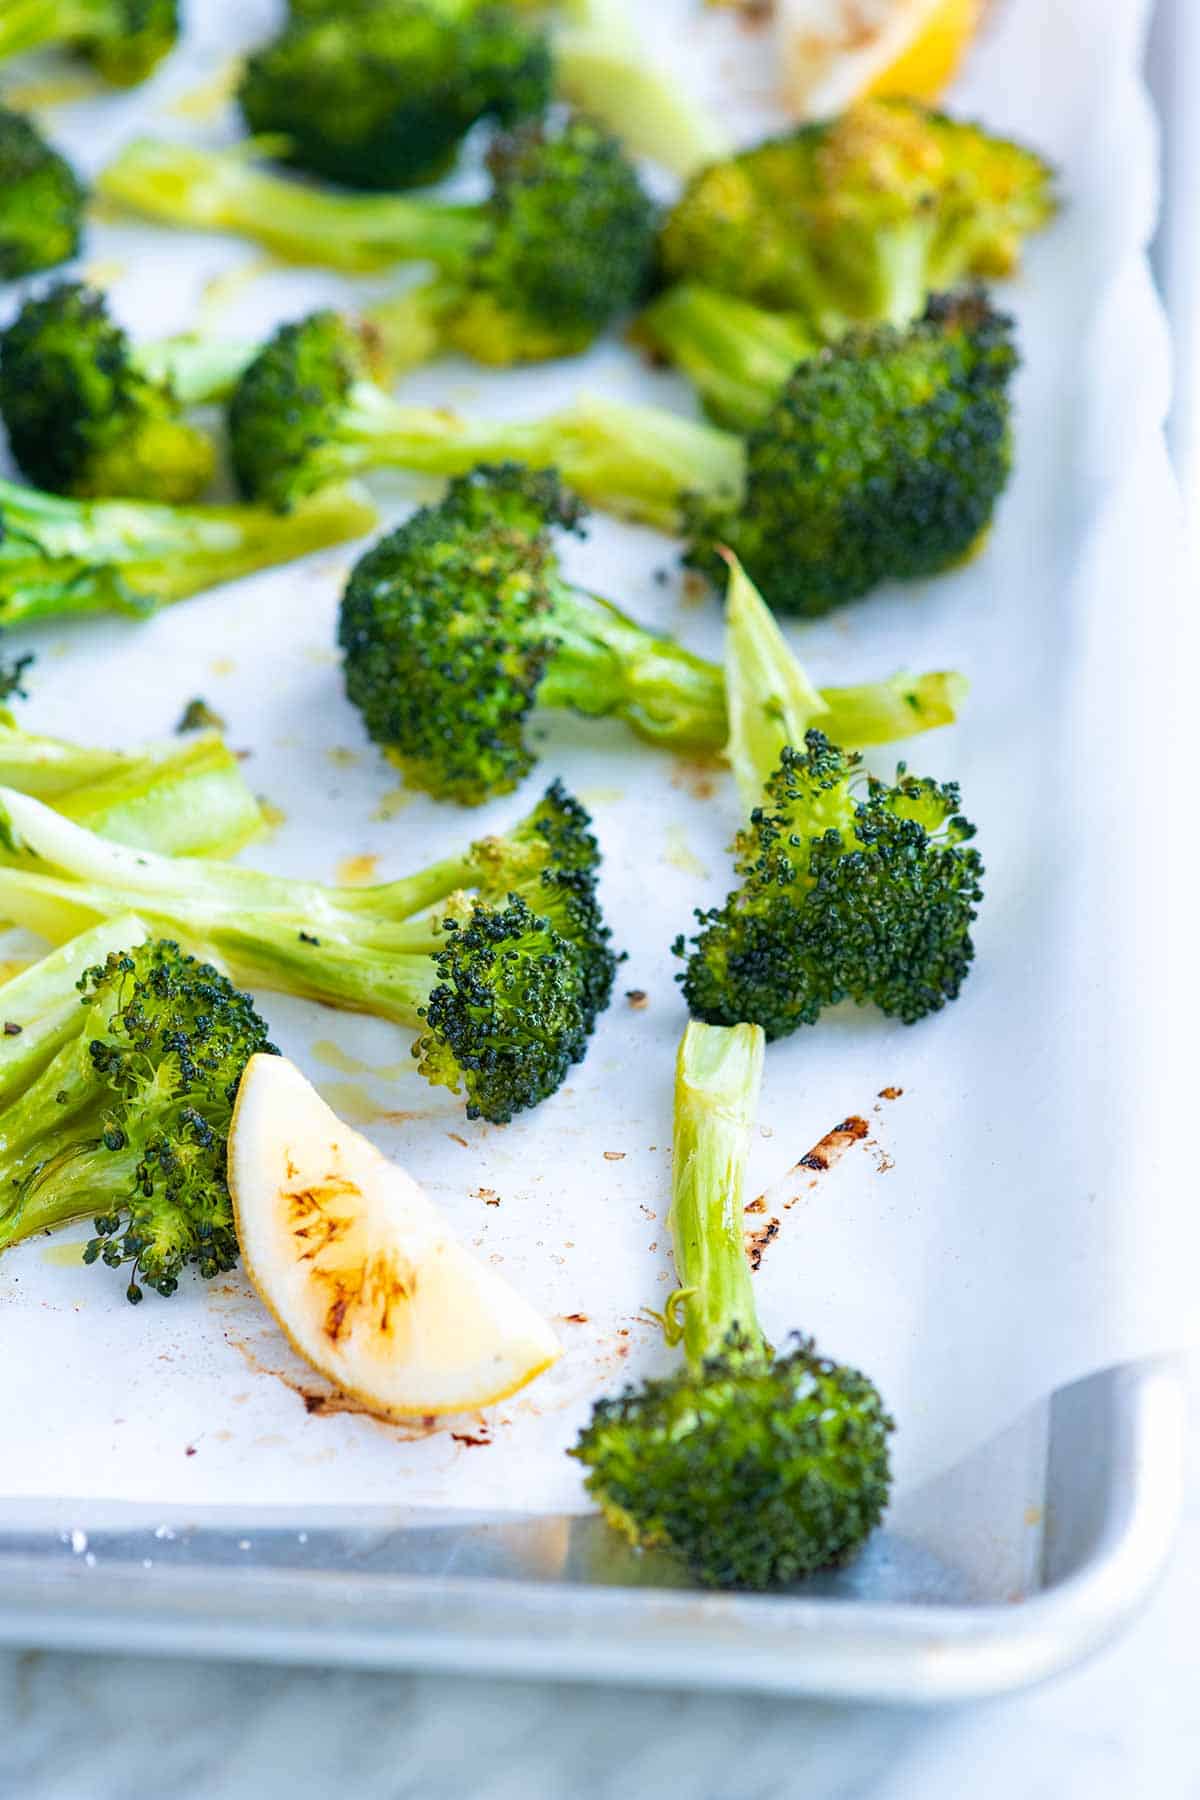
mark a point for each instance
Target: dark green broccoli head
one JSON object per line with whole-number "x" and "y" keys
{"x": 861, "y": 217}
{"x": 882, "y": 459}
{"x": 42, "y": 201}
{"x": 443, "y": 626}
{"x": 290, "y": 414}
{"x": 12, "y": 676}
{"x": 381, "y": 95}
{"x": 81, "y": 417}
{"x": 128, "y": 38}
{"x": 752, "y": 1472}
{"x": 850, "y": 890}
{"x": 568, "y": 246}
{"x": 512, "y": 1010}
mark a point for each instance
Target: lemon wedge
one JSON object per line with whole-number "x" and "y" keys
{"x": 359, "y": 1268}
{"x": 836, "y": 51}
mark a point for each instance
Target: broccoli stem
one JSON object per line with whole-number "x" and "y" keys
{"x": 40, "y": 1007}
{"x": 198, "y": 370}
{"x": 231, "y": 190}
{"x": 737, "y": 356}
{"x": 718, "y": 1073}
{"x": 62, "y": 558}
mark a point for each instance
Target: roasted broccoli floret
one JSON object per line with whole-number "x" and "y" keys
{"x": 739, "y": 357}
{"x": 381, "y": 96}
{"x": 124, "y": 39}
{"x": 460, "y": 622}
{"x": 850, "y": 888}
{"x": 882, "y": 460}
{"x": 13, "y": 670}
{"x": 860, "y": 218}
{"x": 82, "y": 418}
{"x": 749, "y": 1467}
{"x": 187, "y": 799}
{"x": 42, "y": 201}
{"x": 498, "y": 958}
{"x": 127, "y": 1121}
{"x": 561, "y": 247}
{"x": 63, "y": 558}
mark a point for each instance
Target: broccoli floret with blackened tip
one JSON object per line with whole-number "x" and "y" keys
{"x": 128, "y": 1120}
{"x": 82, "y": 418}
{"x": 198, "y": 715}
{"x": 12, "y": 677}
{"x": 850, "y": 888}
{"x": 497, "y": 957}
{"x": 858, "y": 219}
{"x": 42, "y": 201}
{"x": 749, "y": 1467}
{"x": 563, "y": 244}
{"x": 124, "y": 39}
{"x": 381, "y": 96}
{"x": 883, "y": 459}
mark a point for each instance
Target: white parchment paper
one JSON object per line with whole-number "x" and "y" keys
{"x": 1014, "y": 1214}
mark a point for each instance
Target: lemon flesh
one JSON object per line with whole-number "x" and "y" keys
{"x": 836, "y": 51}
{"x": 358, "y": 1266}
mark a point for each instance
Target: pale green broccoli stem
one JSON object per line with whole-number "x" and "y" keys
{"x": 772, "y": 703}
{"x": 31, "y": 24}
{"x": 718, "y": 1073}
{"x": 903, "y": 284}
{"x": 43, "y": 1002}
{"x": 738, "y": 357}
{"x": 197, "y": 370}
{"x": 230, "y": 190}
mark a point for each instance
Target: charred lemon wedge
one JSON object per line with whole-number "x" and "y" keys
{"x": 358, "y": 1266}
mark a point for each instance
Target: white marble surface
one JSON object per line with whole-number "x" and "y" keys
{"x": 115, "y": 1728}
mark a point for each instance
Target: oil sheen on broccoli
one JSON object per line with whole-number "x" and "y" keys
{"x": 127, "y": 1120}
{"x": 562, "y": 245}
{"x": 460, "y": 622}
{"x": 751, "y": 1468}
{"x": 124, "y": 39}
{"x": 42, "y": 201}
{"x": 381, "y": 95}
{"x": 82, "y": 418}
{"x": 498, "y": 958}
{"x": 850, "y": 888}
{"x": 859, "y": 219}
{"x": 64, "y": 558}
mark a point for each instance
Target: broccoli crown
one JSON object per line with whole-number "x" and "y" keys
{"x": 850, "y": 889}
{"x": 81, "y": 418}
{"x": 129, "y": 1119}
{"x": 290, "y": 409}
{"x": 381, "y": 95}
{"x": 882, "y": 459}
{"x": 511, "y": 1012}
{"x": 859, "y": 217}
{"x": 128, "y": 38}
{"x": 443, "y": 626}
{"x": 42, "y": 201}
{"x": 569, "y": 245}
{"x": 752, "y": 1472}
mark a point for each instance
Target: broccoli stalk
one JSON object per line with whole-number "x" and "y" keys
{"x": 563, "y": 244}
{"x": 859, "y": 219}
{"x": 63, "y": 558}
{"x": 127, "y": 1119}
{"x": 187, "y": 799}
{"x": 738, "y": 356}
{"x": 459, "y": 623}
{"x": 751, "y": 1469}
{"x": 42, "y": 201}
{"x": 124, "y": 39}
{"x": 498, "y": 958}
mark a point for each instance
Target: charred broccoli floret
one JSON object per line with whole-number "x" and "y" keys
{"x": 460, "y": 622}
{"x": 63, "y": 558}
{"x": 882, "y": 460}
{"x": 381, "y": 96}
{"x": 42, "y": 201}
{"x": 860, "y": 218}
{"x": 127, "y": 1121}
{"x": 562, "y": 245}
{"x": 749, "y": 1467}
{"x": 498, "y": 958}
{"x": 850, "y": 889}
{"x": 124, "y": 39}
{"x": 82, "y": 418}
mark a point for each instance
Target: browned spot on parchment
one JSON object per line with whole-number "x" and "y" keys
{"x": 757, "y": 1241}
{"x": 322, "y": 1401}
{"x": 696, "y": 776}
